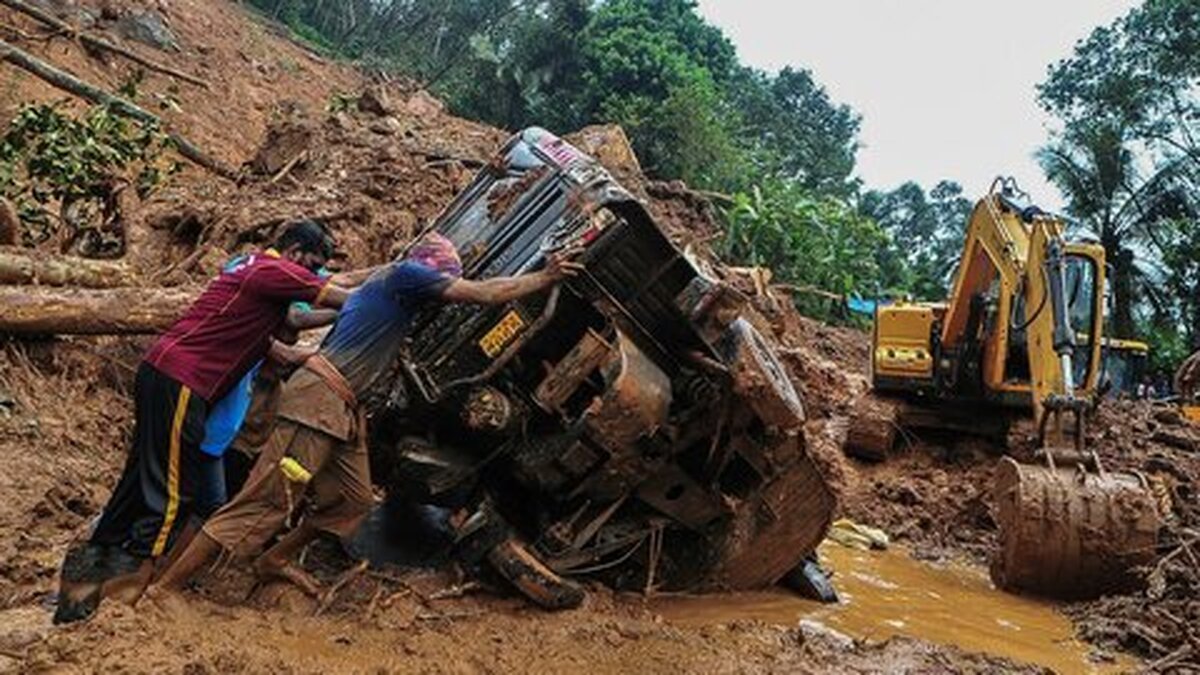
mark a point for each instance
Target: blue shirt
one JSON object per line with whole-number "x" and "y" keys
{"x": 225, "y": 418}
{"x": 371, "y": 327}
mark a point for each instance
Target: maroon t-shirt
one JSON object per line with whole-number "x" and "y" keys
{"x": 228, "y": 329}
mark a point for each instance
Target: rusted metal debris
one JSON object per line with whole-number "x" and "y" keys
{"x": 632, "y": 426}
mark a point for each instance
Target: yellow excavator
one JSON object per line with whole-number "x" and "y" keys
{"x": 1124, "y": 366}
{"x": 1022, "y": 330}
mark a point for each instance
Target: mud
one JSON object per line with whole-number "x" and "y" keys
{"x": 379, "y": 176}
{"x": 885, "y": 594}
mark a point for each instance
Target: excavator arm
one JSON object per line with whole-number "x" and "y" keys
{"x": 1040, "y": 292}
{"x": 1067, "y": 528}
{"x": 1063, "y": 287}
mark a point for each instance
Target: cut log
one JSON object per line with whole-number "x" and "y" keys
{"x": 872, "y": 430}
{"x": 70, "y": 311}
{"x": 96, "y": 42}
{"x": 28, "y": 267}
{"x": 90, "y": 92}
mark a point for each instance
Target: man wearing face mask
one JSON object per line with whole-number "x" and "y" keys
{"x": 191, "y": 366}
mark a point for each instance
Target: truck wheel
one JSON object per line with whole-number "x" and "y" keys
{"x": 535, "y": 581}
{"x": 759, "y": 377}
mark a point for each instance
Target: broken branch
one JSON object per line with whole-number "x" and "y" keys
{"x": 69, "y": 83}
{"x": 97, "y": 42}
{"x": 26, "y": 268}
{"x": 287, "y": 168}
{"x": 456, "y": 591}
{"x": 22, "y": 35}
{"x": 344, "y": 579}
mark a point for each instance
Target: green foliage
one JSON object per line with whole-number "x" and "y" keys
{"x": 1128, "y": 102}
{"x": 808, "y": 240}
{"x": 526, "y": 71}
{"x": 1142, "y": 71}
{"x": 673, "y": 82}
{"x": 341, "y": 102}
{"x": 926, "y": 235}
{"x": 1168, "y": 347}
{"x": 1176, "y": 301}
{"x": 48, "y": 157}
{"x": 1127, "y": 161}
{"x": 683, "y": 136}
{"x": 653, "y": 66}
{"x": 795, "y": 131}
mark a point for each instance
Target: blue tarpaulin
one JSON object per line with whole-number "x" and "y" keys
{"x": 863, "y": 305}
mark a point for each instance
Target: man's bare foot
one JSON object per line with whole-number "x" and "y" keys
{"x": 127, "y": 588}
{"x": 161, "y": 600}
{"x": 283, "y": 570}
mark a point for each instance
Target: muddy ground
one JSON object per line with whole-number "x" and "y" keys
{"x": 379, "y": 174}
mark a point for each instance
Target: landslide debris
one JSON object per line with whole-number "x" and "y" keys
{"x": 378, "y": 170}
{"x": 1161, "y": 623}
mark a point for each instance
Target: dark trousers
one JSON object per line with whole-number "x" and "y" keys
{"x": 161, "y": 483}
{"x": 211, "y": 489}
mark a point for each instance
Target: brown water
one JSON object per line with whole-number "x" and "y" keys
{"x": 888, "y": 593}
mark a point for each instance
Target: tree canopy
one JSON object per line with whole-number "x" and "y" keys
{"x": 1126, "y": 153}
{"x": 1127, "y": 158}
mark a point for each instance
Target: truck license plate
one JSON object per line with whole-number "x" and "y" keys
{"x": 501, "y": 334}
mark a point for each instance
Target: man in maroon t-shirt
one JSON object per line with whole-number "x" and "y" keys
{"x": 191, "y": 366}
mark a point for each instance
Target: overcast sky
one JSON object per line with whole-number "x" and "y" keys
{"x": 945, "y": 87}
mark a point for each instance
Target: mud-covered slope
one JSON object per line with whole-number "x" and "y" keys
{"x": 253, "y": 74}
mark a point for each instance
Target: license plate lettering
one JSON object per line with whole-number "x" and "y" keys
{"x": 501, "y": 334}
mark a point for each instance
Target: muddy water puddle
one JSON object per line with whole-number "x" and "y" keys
{"x": 888, "y": 593}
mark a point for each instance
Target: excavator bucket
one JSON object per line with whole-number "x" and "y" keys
{"x": 1069, "y": 532}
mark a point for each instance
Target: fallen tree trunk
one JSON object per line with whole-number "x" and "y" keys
{"x": 22, "y": 267}
{"x": 70, "y": 311}
{"x": 97, "y": 42}
{"x": 69, "y": 83}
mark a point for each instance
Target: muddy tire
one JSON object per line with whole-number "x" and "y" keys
{"x": 532, "y": 578}
{"x": 760, "y": 379}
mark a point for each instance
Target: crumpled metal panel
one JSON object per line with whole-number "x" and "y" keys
{"x": 780, "y": 523}
{"x": 635, "y": 403}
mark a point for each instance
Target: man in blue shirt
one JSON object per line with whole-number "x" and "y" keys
{"x": 320, "y": 435}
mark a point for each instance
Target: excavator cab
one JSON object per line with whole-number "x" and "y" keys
{"x": 1083, "y": 282}
{"x": 1124, "y": 365}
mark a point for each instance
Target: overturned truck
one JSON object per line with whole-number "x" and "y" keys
{"x": 630, "y": 425}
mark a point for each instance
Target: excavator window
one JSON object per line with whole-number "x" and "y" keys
{"x": 1080, "y": 291}
{"x": 1081, "y": 309}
